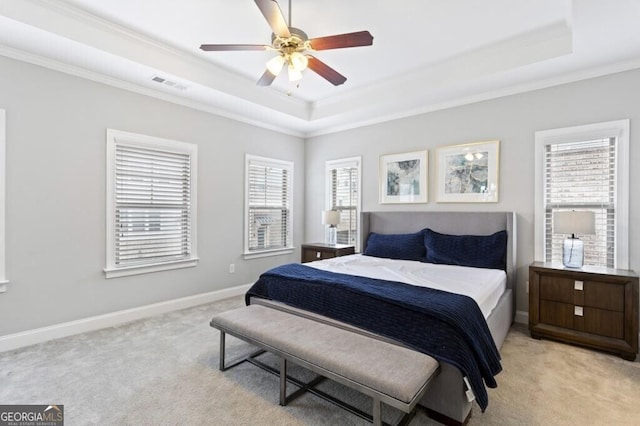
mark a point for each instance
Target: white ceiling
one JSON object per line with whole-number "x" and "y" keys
{"x": 426, "y": 54}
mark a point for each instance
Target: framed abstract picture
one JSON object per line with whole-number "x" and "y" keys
{"x": 403, "y": 177}
{"x": 468, "y": 173}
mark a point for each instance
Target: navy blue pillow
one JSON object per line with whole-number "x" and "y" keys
{"x": 479, "y": 251}
{"x": 396, "y": 246}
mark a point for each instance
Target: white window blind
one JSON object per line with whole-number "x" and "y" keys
{"x": 269, "y": 185}
{"x": 584, "y": 168}
{"x": 152, "y": 209}
{"x": 344, "y": 196}
{"x": 582, "y": 176}
{"x": 153, "y": 203}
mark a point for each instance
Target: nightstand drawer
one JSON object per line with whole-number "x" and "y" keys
{"x": 583, "y": 318}
{"x": 310, "y": 255}
{"x": 557, "y": 289}
{"x": 320, "y": 251}
{"x": 604, "y": 295}
{"x": 595, "y": 294}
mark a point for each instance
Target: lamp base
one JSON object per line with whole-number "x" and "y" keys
{"x": 331, "y": 235}
{"x": 573, "y": 253}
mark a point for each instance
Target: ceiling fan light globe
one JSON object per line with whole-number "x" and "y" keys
{"x": 299, "y": 61}
{"x": 294, "y": 74}
{"x": 275, "y": 64}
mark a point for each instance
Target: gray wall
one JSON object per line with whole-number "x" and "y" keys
{"x": 55, "y": 208}
{"x": 513, "y": 120}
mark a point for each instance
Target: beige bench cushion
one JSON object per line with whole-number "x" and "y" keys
{"x": 390, "y": 369}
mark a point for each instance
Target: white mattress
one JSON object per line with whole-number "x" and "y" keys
{"x": 485, "y": 286}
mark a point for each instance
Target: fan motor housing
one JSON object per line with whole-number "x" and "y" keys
{"x": 295, "y": 42}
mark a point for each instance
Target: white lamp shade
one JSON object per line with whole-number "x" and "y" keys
{"x": 275, "y": 64}
{"x": 298, "y": 61}
{"x": 294, "y": 74}
{"x": 330, "y": 217}
{"x": 574, "y": 222}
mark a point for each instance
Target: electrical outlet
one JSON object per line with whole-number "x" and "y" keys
{"x": 232, "y": 268}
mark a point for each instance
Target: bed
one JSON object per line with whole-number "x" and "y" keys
{"x": 448, "y": 398}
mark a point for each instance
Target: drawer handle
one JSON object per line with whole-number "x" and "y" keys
{"x": 578, "y": 285}
{"x": 578, "y": 311}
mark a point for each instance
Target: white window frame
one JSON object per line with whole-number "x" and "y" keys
{"x": 115, "y": 137}
{"x": 268, "y": 162}
{"x": 612, "y": 129}
{"x": 342, "y": 163}
{"x": 3, "y": 172}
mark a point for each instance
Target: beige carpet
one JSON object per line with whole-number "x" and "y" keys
{"x": 163, "y": 371}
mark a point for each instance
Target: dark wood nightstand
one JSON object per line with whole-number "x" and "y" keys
{"x": 319, "y": 251}
{"x": 592, "y": 307}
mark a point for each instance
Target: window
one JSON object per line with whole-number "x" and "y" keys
{"x": 343, "y": 189}
{"x": 268, "y": 201}
{"x": 151, "y": 204}
{"x": 3, "y": 280}
{"x": 584, "y": 168}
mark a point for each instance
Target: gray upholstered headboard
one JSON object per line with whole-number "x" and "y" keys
{"x": 456, "y": 223}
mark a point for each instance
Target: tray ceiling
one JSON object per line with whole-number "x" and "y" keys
{"x": 426, "y": 55}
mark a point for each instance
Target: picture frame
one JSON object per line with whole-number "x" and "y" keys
{"x": 468, "y": 173}
{"x": 403, "y": 177}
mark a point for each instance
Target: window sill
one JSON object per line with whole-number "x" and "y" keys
{"x": 135, "y": 270}
{"x": 267, "y": 253}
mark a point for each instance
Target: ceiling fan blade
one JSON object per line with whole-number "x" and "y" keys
{"x": 325, "y": 71}
{"x": 272, "y": 13}
{"x": 266, "y": 79}
{"x": 339, "y": 41}
{"x": 230, "y": 47}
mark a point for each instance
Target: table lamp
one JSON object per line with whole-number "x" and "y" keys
{"x": 331, "y": 218}
{"x": 573, "y": 222}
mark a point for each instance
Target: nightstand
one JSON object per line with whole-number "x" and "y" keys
{"x": 591, "y": 307}
{"x": 319, "y": 251}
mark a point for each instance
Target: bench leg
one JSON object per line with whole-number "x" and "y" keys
{"x": 236, "y": 361}
{"x": 283, "y": 381}
{"x": 377, "y": 412}
{"x": 222, "y": 349}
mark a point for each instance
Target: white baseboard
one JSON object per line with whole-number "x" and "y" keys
{"x": 522, "y": 317}
{"x": 39, "y": 335}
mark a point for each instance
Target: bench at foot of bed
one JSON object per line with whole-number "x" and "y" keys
{"x": 388, "y": 373}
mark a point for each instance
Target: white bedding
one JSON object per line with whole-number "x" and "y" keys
{"x": 485, "y": 286}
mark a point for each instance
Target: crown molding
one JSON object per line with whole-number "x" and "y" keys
{"x": 576, "y": 76}
{"x": 71, "y": 23}
{"x": 135, "y": 88}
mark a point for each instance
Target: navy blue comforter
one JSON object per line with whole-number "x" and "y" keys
{"x": 447, "y": 326}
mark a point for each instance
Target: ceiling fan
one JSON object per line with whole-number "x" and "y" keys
{"x": 293, "y": 47}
